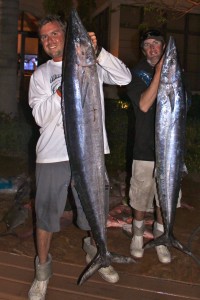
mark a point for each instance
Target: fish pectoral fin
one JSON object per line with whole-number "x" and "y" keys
{"x": 96, "y": 263}
{"x": 172, "y": 99}
{"x": 121, "y": 259}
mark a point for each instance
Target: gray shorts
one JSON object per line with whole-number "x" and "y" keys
{"x": 52, "y": 182}
{"x": 143, "y": 186}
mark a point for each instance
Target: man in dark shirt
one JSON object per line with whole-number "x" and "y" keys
{"x": 143, "y": 92}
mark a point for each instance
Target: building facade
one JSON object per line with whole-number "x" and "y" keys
{"x": 116, "y": 23}
{"x": 117, "y": 26}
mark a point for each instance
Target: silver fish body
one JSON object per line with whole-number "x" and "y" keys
{"x": 170, "y": 127}
{"x": 81, "y": 107}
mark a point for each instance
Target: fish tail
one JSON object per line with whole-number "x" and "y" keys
{"x": 99, "y": 262}
{"x": 186, "y": 250}
{"x": 121, "y": 259}
{"x": 164, "y": 239}
{"x": 167, "y": 239}
{"x": 96, "y": 263}
{"x": 170, "y": 240}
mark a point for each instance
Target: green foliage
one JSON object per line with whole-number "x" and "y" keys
{"x": 160, "y": 13}
{"x": 192, "y": 156}
{"x": 150, "y": 11}
{"x": 194, "y": 110}
{"x": 120, "y": 129}
{"x": 14, "y": 136}
{"x": 63, "y": 7}
{"x": 143, "y": 27}
{"x": 117, "y": 124}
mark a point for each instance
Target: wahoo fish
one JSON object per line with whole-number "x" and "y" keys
{"x": 82, "y": 117}
{"x": 170, "y": 128}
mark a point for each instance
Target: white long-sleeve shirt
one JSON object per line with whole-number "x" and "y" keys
{"x": 46, "y": 103}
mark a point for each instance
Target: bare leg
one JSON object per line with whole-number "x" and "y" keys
{"x": 139, "y": 215}
{"x": 159, "y": 215}
{"x": 43, "y": 266}
{"x": 43, "y": 244}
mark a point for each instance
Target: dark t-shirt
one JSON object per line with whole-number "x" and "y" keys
{"x": 144, "y": 140}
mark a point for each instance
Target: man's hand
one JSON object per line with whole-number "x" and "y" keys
{"x": 158, "y": 66}
{"x": 93, "y": 40}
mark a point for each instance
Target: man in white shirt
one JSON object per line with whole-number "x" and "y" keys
{"x": 53, "y": 174}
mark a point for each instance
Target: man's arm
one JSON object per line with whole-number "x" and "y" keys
{"x": 148, "y": 97}
{"x": 113, "y": 71}
{"x": 44, "y": 105}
